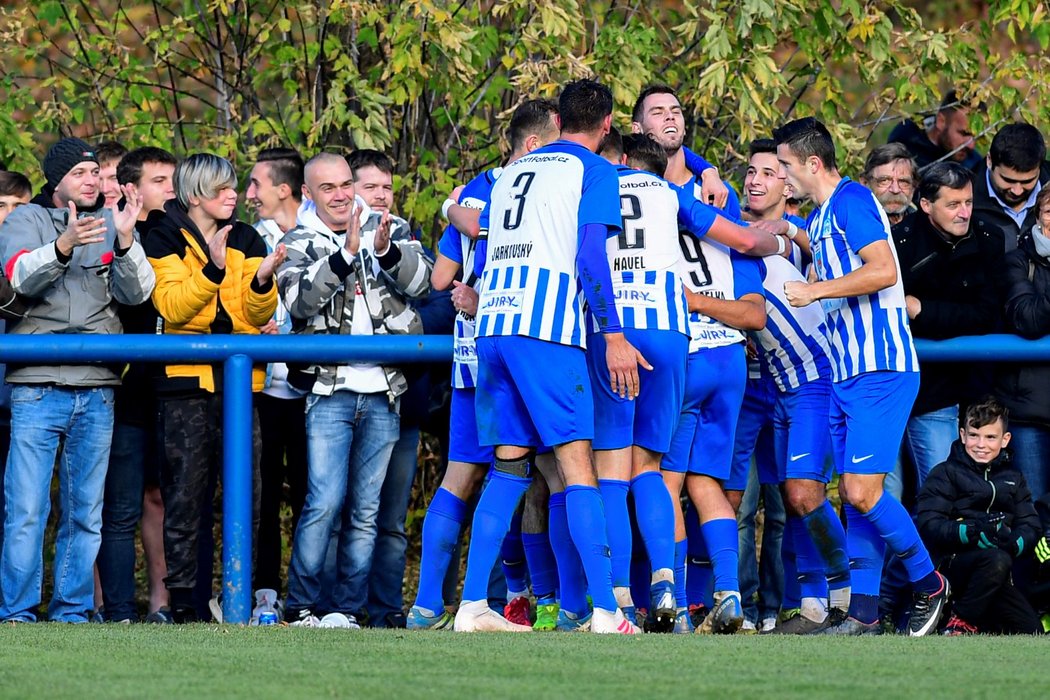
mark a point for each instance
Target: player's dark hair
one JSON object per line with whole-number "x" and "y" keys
{"x": 530, "y": 117}
{"x": 286, "y": 168}
{"x": 808, "y": 137}
{"x": 612, "y": 145}
{"x": 583, "y": 105}
{"x": 14, "y": 184}
{"x": 109, "y": 151}
{"x": 1019, "y": 147}
{"x": 644, "y": 153}
{"x": 659, "y": 89}
{"x": 985, "y": 412}
{"x": 761, "y": 146}
{"x": 369, "y": 157}
{"x": 886, "y": 154}
{"x": 943, "y": 174}
{"x": 129, "y": 169}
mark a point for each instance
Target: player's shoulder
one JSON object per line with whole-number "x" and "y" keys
{"x": 630, "y": 178}
{"x": 852, "y": 195}
{"x": 794, "y": 219}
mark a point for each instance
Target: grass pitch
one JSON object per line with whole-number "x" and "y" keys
{"x": 211, "y": 661}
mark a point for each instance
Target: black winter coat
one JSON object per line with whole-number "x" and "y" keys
{"x": 958, "y": 282}
{"x": 1025, "y": 387}
{"x": 960, "y": 490}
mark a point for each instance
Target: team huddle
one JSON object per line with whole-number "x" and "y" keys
{"x": 611, "y": 303}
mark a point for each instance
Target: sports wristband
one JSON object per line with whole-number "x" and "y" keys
{"x": 444, "y": 207}
{"x": 792, "y": 231}
{"x": 781, "y": 245}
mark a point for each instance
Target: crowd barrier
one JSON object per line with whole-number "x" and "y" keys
{"x": 237, "y": 352}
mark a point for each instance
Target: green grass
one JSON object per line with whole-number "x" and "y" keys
{"x": 206, "y": 661}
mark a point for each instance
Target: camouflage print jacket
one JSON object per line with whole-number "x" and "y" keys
{"x": 314, "y": 283}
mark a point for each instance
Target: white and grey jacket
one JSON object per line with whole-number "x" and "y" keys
{"x": 315, "y": 279}
{"x": 75, "y": 296}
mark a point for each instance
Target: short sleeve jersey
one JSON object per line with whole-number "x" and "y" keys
{"x": 461, "y": 248}
{"x": 645, "y": 257}
{"x": 530, "y": 284}
{"x": 793, "y": 345}
{"x": 867, "y": 333}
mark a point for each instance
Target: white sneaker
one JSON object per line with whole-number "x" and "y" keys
{"x": 215, "y": 606}
{"x": 306, "y": 619}
{"x": 605, "y": 622}
{"x": 477, "y": 616}
{"x": 338, "y": 620}
{"x": 768, "y": 625}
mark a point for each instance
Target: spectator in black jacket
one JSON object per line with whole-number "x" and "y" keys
{"x": 1005, "y": 190}
{"x": 1025, "y": 387}
{"x": 943, "y": 136}
{"x": 976, "y": 516}
{"x": 950, "y": 268}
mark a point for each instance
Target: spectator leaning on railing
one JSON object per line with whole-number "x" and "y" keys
{"x": 72, "y": 260}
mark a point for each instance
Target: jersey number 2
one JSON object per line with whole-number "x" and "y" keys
{"x": 631, "y": 238}
{"x": 519, "y": 189}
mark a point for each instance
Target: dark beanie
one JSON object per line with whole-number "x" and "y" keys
{"x": 64, "y": 156}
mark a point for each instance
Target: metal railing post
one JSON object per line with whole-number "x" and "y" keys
{"x": 237, "y": 490}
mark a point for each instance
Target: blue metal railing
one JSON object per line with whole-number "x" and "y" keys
{"x": 237, "y": 352}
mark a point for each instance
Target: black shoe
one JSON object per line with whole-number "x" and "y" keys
{"x": 184, "y": 615}
{"x": 396, "y": 620}
{"x": 927, "y": 608}
{"x": 852, "y": 627}
{"x": 836, "y": 616}
{"x": 799, "y": 625}
{"x": 160, "y": 617}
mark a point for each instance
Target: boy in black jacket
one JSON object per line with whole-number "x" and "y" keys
{"x": 976, "y": 516}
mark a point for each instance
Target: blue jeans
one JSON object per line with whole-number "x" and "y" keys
{"x": 928, "y": 440}
{"x": 764, "y": 576}
{"x": 1031, "y": 455}
{"x": 350, "y": 437}
{"x": 386, "y": 580}
{"x": 121, "y": 512}
{"x": 40, "y": 417}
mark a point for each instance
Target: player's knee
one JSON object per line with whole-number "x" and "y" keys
{"x": 801, "y": 499}
{"x": 520, "y": 467}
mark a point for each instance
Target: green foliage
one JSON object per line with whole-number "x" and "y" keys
{"x": 433, "y": 82}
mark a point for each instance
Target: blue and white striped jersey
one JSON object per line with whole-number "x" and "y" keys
{"x": 461, "y": 248}
{"x": 866, "y": 333}
{"x": 530, "y": 285}
{"x": 793, "y": 345}
{"x": 646, "y": 257}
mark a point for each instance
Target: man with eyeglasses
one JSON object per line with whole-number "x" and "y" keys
{"x": 890, "y": 173}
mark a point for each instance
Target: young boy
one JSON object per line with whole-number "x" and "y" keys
{"x": 976, "y": 515}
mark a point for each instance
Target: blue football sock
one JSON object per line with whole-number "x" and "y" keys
{"x": 829, "y": 538}
{"x": 698, "y": 577}
{"x": 583, "y": 507}
{"x": 681, "y": 596}
{"x": 572, "y": 584}
{"x": 811, "y": 579}
{"x": 895, "y": 526}
{"x": 722, "y": 542}
{"x": 618, "y": 529}
{"x": 864, "y": 608}
{"x": 499, "y": 500}
{"x": 654, "y": 511}
{"x": 543, "y": 570}
{"x": 866, "y": 551}
{"x": 512, "y": 555}
{"x": 441, "y": 528}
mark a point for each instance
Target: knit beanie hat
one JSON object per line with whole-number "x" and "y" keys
{"x": 64, "y": 156}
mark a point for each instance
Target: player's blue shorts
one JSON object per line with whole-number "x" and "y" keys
{"x": 714, "y": 389}
{"x": 868, "y": 415}
{"x": 463, "y": 443}
{"x": 754, "y": 435}
{"x": 532, "y": 392}
{"x": 800, "y": 422}
{"x": 650, "y": 419}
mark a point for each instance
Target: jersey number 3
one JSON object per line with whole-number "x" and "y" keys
{"x": 520, "y": 188}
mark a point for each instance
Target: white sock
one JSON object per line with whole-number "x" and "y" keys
{"x": 623, "y": 596}
{"x": 662, "y": 575}
{"x": 839, "y": 598}
{"x": 815, "y": 609}
{"x": 474, "y": 607}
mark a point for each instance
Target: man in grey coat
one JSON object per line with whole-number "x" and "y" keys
{"x": 72, "y": 260}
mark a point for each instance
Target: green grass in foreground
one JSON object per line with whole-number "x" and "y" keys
{"x": 205, "y": 661}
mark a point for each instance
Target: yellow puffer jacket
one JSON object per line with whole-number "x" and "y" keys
{"x": 194, "y": 296}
